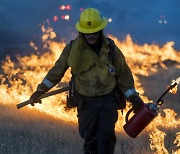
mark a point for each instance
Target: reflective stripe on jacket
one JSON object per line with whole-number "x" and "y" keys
{"x": 93, "y": 76}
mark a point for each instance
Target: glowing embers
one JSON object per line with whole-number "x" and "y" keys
{"x": 162, "y": 19}
{"x": 33, "y": 45}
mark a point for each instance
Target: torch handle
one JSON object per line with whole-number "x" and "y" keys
{"x": 127, "y": 114}
{"x": 20, "y": 105}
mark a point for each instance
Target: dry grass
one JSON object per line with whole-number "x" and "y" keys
{"x": 30, "y": 131}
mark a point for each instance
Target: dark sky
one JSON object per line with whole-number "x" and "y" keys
{"x": 20, "y": 21}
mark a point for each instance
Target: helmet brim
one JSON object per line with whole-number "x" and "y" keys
{"x": 93, "y": 30}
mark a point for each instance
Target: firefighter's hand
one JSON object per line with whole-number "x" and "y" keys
{"x": 137, "y": 102}
{"x": 35, "y": 95}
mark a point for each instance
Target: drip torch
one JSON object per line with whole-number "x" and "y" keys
{"x": 145, "y": 114}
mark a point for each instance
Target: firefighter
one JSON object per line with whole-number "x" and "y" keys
{"x": 95, "y": 80}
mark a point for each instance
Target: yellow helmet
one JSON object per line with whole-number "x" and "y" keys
{"x": 91, "y": 21}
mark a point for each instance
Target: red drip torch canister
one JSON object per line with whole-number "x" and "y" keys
{"x": 140, "y": 119}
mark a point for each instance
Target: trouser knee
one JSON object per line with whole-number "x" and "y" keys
{"x": 106, "y": 137}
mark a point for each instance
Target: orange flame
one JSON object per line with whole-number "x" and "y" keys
{"x": 174, "y": 90}
{"x": 19, "y": 80}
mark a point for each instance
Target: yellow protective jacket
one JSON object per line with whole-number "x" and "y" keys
{"x": 93, "y": 77}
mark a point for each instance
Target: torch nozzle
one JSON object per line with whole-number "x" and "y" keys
{"x": 173, "y": 85}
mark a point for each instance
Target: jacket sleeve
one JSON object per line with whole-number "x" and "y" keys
{"x": 56, "y": 73}
{"x": 124, "y": 75}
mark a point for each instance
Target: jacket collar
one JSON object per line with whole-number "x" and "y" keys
{"x": 105, "y": 42}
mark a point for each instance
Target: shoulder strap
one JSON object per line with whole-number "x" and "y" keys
{"x": 73, "y": 75}
{"x": 71, "y": 42}
{"x": 112, "y": 54}
{"x": 120, "y": 95}
{"x": 70, "y": 45}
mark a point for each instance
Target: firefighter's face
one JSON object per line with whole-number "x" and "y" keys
{"x": 92, "y": 38}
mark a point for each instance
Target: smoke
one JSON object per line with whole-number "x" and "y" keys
{"x": 20, "y": 23}
{"x": 146, "y": 21}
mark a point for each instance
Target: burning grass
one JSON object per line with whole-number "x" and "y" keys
{"x": 31, "y": 131}
{"x": 49, "y": 128}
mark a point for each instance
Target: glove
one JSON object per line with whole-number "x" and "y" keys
{"x": 137, "y": 102}
{"x": 35, "y": 95}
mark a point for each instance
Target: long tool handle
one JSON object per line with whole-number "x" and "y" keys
{"x": 20, "y": 105}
